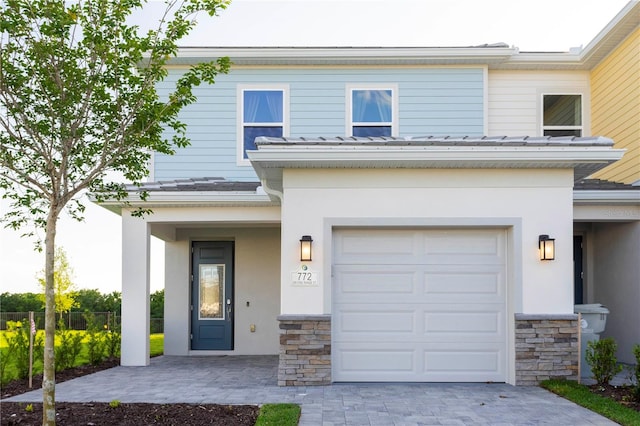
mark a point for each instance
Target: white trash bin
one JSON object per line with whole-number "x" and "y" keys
{"x": 594, "y": 320}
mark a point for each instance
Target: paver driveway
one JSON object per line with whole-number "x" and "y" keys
{"x": 252, "y": 380}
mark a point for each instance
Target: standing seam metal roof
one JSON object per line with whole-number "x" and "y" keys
{"x": 567, "y": 141}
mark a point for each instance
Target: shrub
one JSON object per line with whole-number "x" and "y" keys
{"x": 6, "y": 358}
{"x": 96, "y": 343}
{"x": 68, "y": 348}
{"x": 636, "y": 372}
{"x": 17, "y": 352}
{"x": 113, "y": 341}
{"x": 601, "y": 357}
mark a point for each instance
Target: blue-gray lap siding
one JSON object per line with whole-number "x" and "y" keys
{"x": 431, "y": 101}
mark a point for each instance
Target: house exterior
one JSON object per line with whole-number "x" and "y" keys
{"x": 606, "y": 225}
{"x": 424, "y": 233}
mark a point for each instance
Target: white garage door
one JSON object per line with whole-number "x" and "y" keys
{"x": 419, "y": 305}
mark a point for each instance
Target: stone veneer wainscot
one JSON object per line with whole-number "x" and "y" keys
{"x": 547, "y": 346}
{"x": 305, "y": 350}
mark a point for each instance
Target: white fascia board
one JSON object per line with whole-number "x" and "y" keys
{"x": 192, "y": 199}
{"x": 618, "y": 29}
{"x": 308, "y": 156}
{"x": 555, "y": 58}
{"x": 593, "y": 197}
{"x": 351, "y": 54}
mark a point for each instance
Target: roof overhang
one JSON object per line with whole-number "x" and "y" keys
{"x": 480, "y": 55}
{"x": 600, "y": 197}
{"x": 168, "y": 199}
{"x": 272, "y": 157}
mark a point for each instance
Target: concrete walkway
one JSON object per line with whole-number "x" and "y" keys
{"x": 252, "y": 380}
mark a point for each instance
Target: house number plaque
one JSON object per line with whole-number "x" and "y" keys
{"x": 304, "y": 277}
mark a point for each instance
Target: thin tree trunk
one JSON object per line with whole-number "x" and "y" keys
{"x": 49, "y": 379}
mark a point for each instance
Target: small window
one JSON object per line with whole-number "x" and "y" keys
{"x": 562, "y": 115}
{"x": 371, "y": 112}
{"x": 263, "y": 113}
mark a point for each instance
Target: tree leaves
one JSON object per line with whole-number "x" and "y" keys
{"x": 78, "y": 99}
{"x": 78, "y": 96}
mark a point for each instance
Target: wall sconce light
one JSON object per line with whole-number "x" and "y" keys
{"x": 305, "y": 248}
{"x": 547, "y": 247}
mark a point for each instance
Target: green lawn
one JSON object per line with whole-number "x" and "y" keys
{"x": 278, "y": 415}
{"x": 581, "y": 395}
{"x": 157, "y": 344}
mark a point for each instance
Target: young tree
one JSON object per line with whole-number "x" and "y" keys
{"x": 78, "y": 99}
{"x": 65, "y": 291}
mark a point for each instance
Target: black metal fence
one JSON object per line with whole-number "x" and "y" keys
{"x": 76, "y": 320}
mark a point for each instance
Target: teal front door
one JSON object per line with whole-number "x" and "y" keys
{"x": 212, "y": 296}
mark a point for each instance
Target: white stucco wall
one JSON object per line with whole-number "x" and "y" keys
{"x": 257, "y": 281}
{"x": 528, "y": 202}
{"x": 616, "y": 281}
{"x": 135, "y": 290}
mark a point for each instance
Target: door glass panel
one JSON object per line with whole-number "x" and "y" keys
{"x": 211, "y": 291}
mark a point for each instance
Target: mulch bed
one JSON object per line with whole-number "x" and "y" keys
{"x": 622, "y": 394}
{"x": 17, "y": 387}
{"x": 79, "y": 413}
{"x": 98, "y": 413}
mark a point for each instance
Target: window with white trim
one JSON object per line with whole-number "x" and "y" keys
{"x": 371, "y": 111}
{"x": 562, "y": 115}
{"x": 263, "y": 112}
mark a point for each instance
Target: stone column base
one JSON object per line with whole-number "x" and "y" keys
{"x": 305, "y": 350}
{"x": 547, "y": 347}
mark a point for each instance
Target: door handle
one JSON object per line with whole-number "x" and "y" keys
{"x": 229, "y": 309}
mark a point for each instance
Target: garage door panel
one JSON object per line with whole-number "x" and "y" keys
{"x": 463, "y": 282}
{"x": 470, "y": 242}
{"x": 381, "y": 360}
{"x": 390, "y": 246}
{"x": 374, "y": 320}
{"x": 452, "y": 357}
{"x": 408, "y": 363}
{"x": 438, "y": 307}
{"x": 388, "y": 283}
{"x": 464, "y": 325}
{"x": 375, "y": 281}
{"x": 457, "y": 364}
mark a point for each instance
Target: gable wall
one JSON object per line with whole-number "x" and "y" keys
{"x": 615, "y": 94}
{"x": 431, "y": 101}
{"x": 515, "y": 99}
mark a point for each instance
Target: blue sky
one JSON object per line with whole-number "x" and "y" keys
{"x": 93, "y": 247}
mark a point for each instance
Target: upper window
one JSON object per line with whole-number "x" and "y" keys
{"x": 562, "y": 115}
{"x": 263, "y": 113}
{"x": 371, "y": 111}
